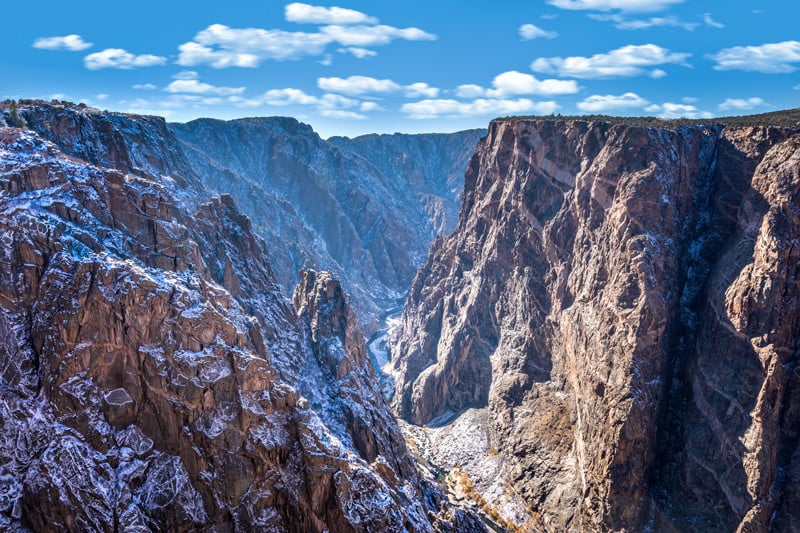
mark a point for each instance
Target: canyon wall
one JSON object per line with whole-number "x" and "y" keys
{"x": 365, "y": 208}
{"x": 152, "y": 375}
{"x": 623, "y": 299}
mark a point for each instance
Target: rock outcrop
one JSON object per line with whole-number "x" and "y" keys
{"x": 366, "y": 209}
{"x": 623, "y": 298}
{"x": 153, "y": 377}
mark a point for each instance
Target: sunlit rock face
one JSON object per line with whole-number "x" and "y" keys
{"x": 152, "y": 375}
{"x": 623, "y": 298}
{"x": 365, "y": 208}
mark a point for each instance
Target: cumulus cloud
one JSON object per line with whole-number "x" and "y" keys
{"x": 362, "y": 36}
{"x": 221, "y": 46}
{"x": 609, "y": 5}
{"x": 72, "y": 43}
{"x": 145, "y": 86}
{"x": 370, "y": 106}
{"x": 435, "y": 108}
{"x": 470, "y": 90}
{"x": 308, "y": 14}
{"x": 121, "y": 59}
{"x": 513, "y": 83}
{"x": 192, "y": 86}
{"x": 602, "y": 103}
{"x": 711, "y": 22}
{"x": 356, "y": 85}
{"x": 360, "y": 85}
{"x": 186, "y": 75}
{"x": 355, "y": 51}
{"x": 623, "y": 23}
{"x": 741, "y": 104}
{"x": 530, "y": 32}
{"x": 771, "y": 58}
{"x": 328, "y": 105}
{"x": 631, "y": 60}
{"x": 420, "y": 90}
{"x": 673, "y": 110}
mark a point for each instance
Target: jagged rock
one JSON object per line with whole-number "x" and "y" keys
{"x": 365, "y": 208}
{"x": 153, "y": 378}
{"x": 624, "y": 300}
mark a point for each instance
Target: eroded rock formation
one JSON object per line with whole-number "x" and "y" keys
{"x": 365, "y": 208}
{"x": 624, "y": 299}
{"x": 153, "y": 377}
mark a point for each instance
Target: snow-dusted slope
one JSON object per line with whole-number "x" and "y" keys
{"x": 366, "y": 208}
{"x": 153, "y": 377}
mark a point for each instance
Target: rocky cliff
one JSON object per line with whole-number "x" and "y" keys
{"x": 366, "y": 209}
{"x": 622, "y": 298}
{"x": 427, "y": 169}
{"x": 153, "y": 377}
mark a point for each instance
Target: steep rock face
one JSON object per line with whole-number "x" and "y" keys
{"x": 340, "y": 206}
{"x": 624, "y": 300}
{"x": 152, "y": 377}
{"x": 428, "y": 166}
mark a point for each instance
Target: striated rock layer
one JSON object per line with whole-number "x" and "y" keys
{"x": 365, "y": 208}
{"x": 624, "y": 299}
{"x": 153, "y": 378}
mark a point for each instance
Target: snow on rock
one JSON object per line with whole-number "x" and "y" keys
{"x": 153, "y": 378}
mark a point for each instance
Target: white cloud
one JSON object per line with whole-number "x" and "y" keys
{"x": 672, "y": 110}
{"x": 796, "y": 87}
{"x": 608, "y": 5}
{"x": 362, "y": 36}
{"x": 145, "y": 86}
{"x": 355, "y": 85}
{"x": 631, "y": 60}
{"x": 121, "y": 59}
{"x": 72, "y": 42}
{"x": 623, "y": 23}
{"x": 326, "y": 61}
{"x": 771, "y": 58}
{"x": 222, "y": 47}
{"x": 192, "y": 86}
{"x": 657, "y": 73}
{"x": 711, "y": 22}
{"x": 530, "y": 32}
{"x": 420, "y": 90}
{"x": 601, "y": 103}
{"x": 433, "y": 108}
{"x": 186, "y": 75}
{"x": 284, "y": 97}
{"x": 355, "y": 51}
{"x": 741, "y": 104}
{"x": 469, "y": 91}
{"x": 328, "y": 105}
{"x": 340, "y": 113}
{"x": 513, "y": 83}
{"x": 308, "y": 14}
{"x": 370, "y": 106}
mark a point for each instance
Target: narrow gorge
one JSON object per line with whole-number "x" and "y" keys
{"x": 599, "y": 330}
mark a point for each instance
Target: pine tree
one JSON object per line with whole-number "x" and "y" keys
{"x": 15, "y": 120}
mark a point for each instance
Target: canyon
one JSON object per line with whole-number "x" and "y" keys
{"x": 154, "y": 376}
{"x": 599, "y": 332}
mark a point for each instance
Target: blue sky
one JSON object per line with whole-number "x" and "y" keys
{"x": 355, "y": 66}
